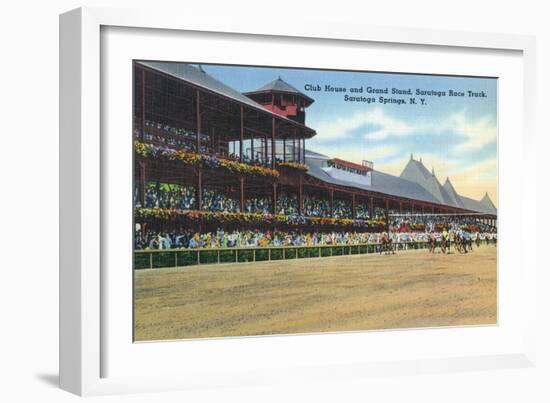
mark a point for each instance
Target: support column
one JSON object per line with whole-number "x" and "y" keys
{"x": 142, "y": 134}
{"x": 274, "y": 207}
{"x": 241, "y": 194}
{"x": 388, "y": 215}
{"x": 331, "y": 202}
{"x": 265, "y": 150}
{"x": 303, "y": 150}
{"x": 371, "y": 207}
{"x": 252, "y": 147}
{"x": 141, "y": 185}
{"x": 242, "y": 135}
{"x": 400, "y": 207}
{"x": 273, "y": 142}
{"x": 212, "y": 140}
{"x": 353, "y": 206}
{"x": 284, "y": 148}
{"x": 198, "y": 110}
{"x": 199, "y": 190}
{"x": 301, "y": 195}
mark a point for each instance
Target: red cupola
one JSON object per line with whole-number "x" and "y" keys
{"x": 283, "y": 99}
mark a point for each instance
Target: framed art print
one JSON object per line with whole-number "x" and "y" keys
{"x": 244, "y": 206}
{"x": 274, "y": 200}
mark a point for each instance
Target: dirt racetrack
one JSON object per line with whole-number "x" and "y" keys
{"x": 358, "y": 292}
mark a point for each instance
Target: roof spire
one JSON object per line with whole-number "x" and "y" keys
{"x": 433, "y": 171}
{"x": 421, "y": 160}
{"x": 201, "y": 69}
{"x": 411, "y": 156}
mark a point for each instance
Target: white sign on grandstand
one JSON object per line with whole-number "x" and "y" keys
{"x": 340, "y": 174}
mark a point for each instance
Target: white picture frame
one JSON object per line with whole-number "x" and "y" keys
{"x": 83, "y": 308}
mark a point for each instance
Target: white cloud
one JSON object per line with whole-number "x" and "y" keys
{"x": 474, "y": 133}
{"x": 477, "y": 133}
{"x": 339, "y": 128}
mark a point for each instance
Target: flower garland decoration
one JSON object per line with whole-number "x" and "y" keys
{"x": 293, "y": 165}
{"x": 203, "y": 161}
{"x": 254, "y": 218}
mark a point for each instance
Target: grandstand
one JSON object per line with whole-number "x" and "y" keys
{"x": 208, "y": 156}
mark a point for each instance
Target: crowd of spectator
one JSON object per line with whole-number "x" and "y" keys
{"x": 167, "y": 196}
{"x": 259, "y": 205}
{"x": 450, "y": 222}
{"x": 175, "y": 196}
{"x": 342, "y": 209}
{"x": 249, "y": 238}
{"x": 218, "y": 202}
{"x": 362, "y": 211}
{"x": 316, "y": 207}
{"x": 287, "y": 203}
{"x": 172, "y": 136}
{"x": 256, "y": 238}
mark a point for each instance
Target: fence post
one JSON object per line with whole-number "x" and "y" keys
{"x": 296, "y": 252}
{"x": 236, "y": 256}
{"x": 269, "y": 254}
{"x": 176, "y": 260}
{"x": 218, "y": 256}
{"x": 150, "y": 260}
{"x": 198, "y": 256}
{"x": 319, "y": 251}
{"x": 253, "y": 255}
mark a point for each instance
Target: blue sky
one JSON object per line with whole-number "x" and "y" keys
{"x": 457, "y": 136}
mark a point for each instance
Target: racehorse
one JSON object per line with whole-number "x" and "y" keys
{"x": 432, "y": 242}
{"x": 460, "y": 243}
{"x": 386, "y": 245}
{"x": 463, "y": 242}
{"x": 478, "y": 240}
{"x": 445, "y": 243}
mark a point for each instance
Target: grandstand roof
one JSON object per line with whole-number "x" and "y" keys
{"x": 416, "y": 172}
{"x": 279, "y": 85}
{"x": 381, "y": 182}
{"x": 199, "y": 77}
{"x": 487, "y": 202}
{"x": 313, "y": 154}
{"x": 416, "y": 183}
{"x": 455, "y": 197}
